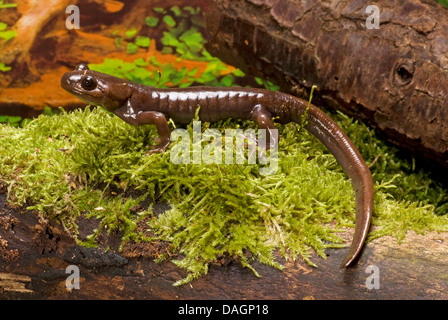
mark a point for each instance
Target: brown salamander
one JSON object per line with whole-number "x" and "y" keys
{"x": 138, "y": 104}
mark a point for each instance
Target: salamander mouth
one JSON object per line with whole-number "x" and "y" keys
{"x": 75, "y": 91}
{"x": 70, "y": 86}
{"x": 80, "y": 94}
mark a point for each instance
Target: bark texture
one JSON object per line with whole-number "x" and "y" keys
{"x": 395, "y": 78}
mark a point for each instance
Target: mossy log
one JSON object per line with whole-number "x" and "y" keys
{"x": 35, "y": 252}
{"x": 393, "y": 77}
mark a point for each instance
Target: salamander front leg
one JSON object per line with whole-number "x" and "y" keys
{"x": 159, "y": 120}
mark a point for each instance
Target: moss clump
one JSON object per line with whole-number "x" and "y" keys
{"x": 64, "y": 166}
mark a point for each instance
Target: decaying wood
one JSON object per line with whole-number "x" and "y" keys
{"x": 44, "y": 48}
{"x": 34, "y": 16}
{"x": 36, "y": 35}
{"x": 395, "y": 78}
{"x": 35, "y": 253}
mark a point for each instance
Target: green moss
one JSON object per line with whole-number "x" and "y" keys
{"x": 410, "y": 180}
{"x": 64, "y": 165}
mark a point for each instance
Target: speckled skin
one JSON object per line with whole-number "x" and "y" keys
{"x": 138, "y": 104}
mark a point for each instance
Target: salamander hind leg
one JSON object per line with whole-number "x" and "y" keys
{"x": 159, "y": 120}
{"x": 263, "y": 118}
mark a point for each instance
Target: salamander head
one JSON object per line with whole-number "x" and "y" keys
{"x": 96, "y": 88}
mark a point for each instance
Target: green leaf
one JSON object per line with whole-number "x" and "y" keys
{"x": 167, "y": 50}
{"x": 139, "y": 75}
{"x": 3, "y": 67}
{"x": 193, "y": 39}
{"x": 271, "y": 86}
{"x": 182, "y": 50}
{"x": 118, "y": 42}
{"x": 206, "y": 77}
{"x": 154, "y": 61}
{"x": 48, "y": 111}
{"x": 177, "y": 77}
{"x": 14, "y": 119}
{"x": 166, "y": 74}
{"x": 3, "y": 26}
{"x": 238, "y": 73}
{"x": 169, "y": 40}
{"x": 179, "y": 29}
{"x": 185, "y": 84}
{"x": 227, "y": 81}
{"x": 170, "y": 22}
{"x": 176, "y": 10}
{"x": 198, "y": 21}
{"x": 192, "y": 10}
{"x": 8, "y": 35}
{"x": 109, "y": 66}
{"x": 151, "y": 21}
{"x": 192, "y": 72}
{"x": 131, "y": 48}
{"x": 159, "y": 10}
{"x": 143, "y": 42}
{"x": 7, "y": 5}
{"x": 140, "y": 62}
{"x": 259, "y": 81}
{"x": 131, "y": 33}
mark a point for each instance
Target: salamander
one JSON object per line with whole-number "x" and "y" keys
{"x": 137, "y": 104}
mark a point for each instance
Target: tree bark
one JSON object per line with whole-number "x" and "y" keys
{"x": 394, "y": 78}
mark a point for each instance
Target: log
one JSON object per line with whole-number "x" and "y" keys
{"x": 394, "y": 78}
{"x": 35, "y": 254}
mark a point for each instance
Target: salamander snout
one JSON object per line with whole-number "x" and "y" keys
{"x": 65, "y": 80}
{"x": 70, "y": 82}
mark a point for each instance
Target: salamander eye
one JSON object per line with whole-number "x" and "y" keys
{"x": 88, "y": 83}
